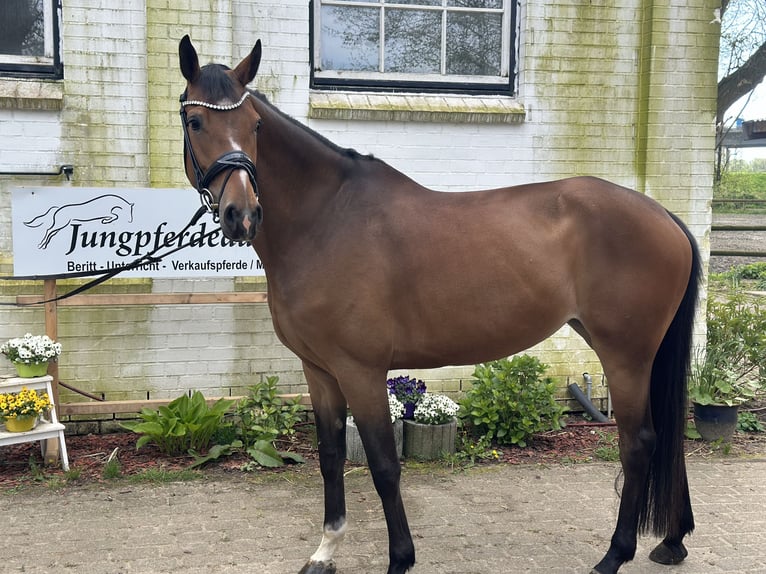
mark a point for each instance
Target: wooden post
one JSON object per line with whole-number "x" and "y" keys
{"x": 51, "y": 450}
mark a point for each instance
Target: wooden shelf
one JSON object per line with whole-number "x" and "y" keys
{"x": 45, "y": 429}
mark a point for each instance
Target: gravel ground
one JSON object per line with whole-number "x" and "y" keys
{"x": 740, "y": 240}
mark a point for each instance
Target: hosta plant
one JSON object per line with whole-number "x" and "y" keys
{"x": 184, "y": 425}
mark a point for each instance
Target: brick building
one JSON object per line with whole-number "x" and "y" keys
{"x": 623, "y": 90}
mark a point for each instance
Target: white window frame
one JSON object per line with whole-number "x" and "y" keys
{"x": 347, "y": 79}
{"x": 47, "y": 65}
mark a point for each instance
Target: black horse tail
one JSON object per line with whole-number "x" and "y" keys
{"x": 667, "y": 505}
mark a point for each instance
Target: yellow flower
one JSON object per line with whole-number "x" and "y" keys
{"x": 24, "y": 403}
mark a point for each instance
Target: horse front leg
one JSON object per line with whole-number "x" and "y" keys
{"x": 329, "y": 406}
{"x": 372, "y": 418}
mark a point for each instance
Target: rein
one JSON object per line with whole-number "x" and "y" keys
{"x": 230, "y": 161}
{"x": 151, "y": 257}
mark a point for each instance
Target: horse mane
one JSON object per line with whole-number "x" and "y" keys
{"x": 349, "y": 153}
{"x": 217, "y": 86}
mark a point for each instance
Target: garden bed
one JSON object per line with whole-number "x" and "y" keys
{"x": 21, "y": 465}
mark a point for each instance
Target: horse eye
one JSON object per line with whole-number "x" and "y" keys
{"x": 195, "y": 124}
{"x": 257, "y": 126}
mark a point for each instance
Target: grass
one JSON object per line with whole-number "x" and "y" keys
{"x": 608, "y": 448}
{"x": 747, "y": 185}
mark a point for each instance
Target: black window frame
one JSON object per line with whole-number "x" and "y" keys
{"x": 54, "y": 69}
{"x": 417, "y": 86}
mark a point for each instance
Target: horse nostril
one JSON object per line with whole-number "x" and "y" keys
{"x": 258, "y": 214}
{"x": 230, "y": 215}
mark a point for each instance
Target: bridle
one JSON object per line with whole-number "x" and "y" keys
{"x": 229, "y": 161}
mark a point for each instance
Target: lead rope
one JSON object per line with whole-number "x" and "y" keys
{"x": 150, "y": 257}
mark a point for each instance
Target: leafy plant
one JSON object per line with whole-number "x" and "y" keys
{"x": 186, "y": 424}
{"x": 511, "y": 400}
{"x": 608, "y": 448}
{"x": 264, "y": 417}
{"x": 728, "y": 371}
{"x": 469, "y": 449}
{"x": 748, "y": 422}
{"x": 216, "y": 451}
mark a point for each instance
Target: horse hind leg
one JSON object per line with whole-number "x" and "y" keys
{"x": 637, "y": 443}
{"x": 671, "y": 550}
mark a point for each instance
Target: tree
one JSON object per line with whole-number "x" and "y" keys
{"x": 742, "y": 63}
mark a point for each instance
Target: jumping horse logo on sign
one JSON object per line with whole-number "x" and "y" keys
{"x": 104, "y": 208}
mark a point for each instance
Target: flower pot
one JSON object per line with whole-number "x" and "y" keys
{"x": 20, "y": 424}
{"x": 429, "y": 442}
{"x": 355, "y": 449}
{"x": 715, "y": 422}
{"x": 28, "y": 371}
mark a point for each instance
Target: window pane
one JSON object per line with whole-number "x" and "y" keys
{"x": 350, "y": 37}
{"x": 412, "y": 41}
{"x": 474, "y": 43}
{"x": 475, "y": 3}
{"x": 418, "y": 2}
{"x": 22, "y": 28}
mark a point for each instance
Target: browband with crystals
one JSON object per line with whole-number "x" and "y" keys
{"x": 216, "y": 106}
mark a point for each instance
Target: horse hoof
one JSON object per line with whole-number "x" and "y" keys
{"x": 668, "y": 555}
{"x": 312, "y": 567}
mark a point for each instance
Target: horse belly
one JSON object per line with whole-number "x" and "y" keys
{"x": 481, "y": 327}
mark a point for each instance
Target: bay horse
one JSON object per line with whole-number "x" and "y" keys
{"x": 369, "y": 271}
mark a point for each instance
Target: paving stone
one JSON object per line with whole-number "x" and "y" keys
{"x": 503, "y": 519}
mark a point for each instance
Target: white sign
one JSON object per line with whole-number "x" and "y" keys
{"x": 70, "y": 229}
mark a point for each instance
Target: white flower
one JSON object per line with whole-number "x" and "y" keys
{"x": 395, "y": 407}
{"x": 31, "y": 349}
{"x": 435, "y": 410}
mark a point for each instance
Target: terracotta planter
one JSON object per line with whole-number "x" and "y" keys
{"x": 429, "y": 442}
{"x": 715, "y": 422}
{"x": 355, "y": 450}
{"x": 23, "y": 424}
{"x": 29, "y": 371}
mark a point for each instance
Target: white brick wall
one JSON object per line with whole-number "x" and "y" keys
{"x": 583, "y": 71}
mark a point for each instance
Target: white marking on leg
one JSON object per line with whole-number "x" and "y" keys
{"x": 331, "y": 539}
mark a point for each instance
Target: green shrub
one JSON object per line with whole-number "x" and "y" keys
{"x": 748, "y": 422}
{"x": 263, "y": 418}
{"x": 511, "y": 400}
{"x": 186, "y": 424}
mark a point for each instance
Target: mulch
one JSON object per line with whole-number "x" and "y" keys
{"x": 578, "y": 442}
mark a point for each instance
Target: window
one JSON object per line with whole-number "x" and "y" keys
{"x": 416, "y": 45}
{"x": 29, "y": 38}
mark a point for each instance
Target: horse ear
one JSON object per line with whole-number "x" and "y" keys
{"x": 189, "y": 61}
{"x": 247, "y": 68}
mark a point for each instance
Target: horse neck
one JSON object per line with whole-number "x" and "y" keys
{"x": 298, "y": 176}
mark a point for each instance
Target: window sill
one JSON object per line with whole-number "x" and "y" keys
{"x": 19, "y": 94}
{"x": 415, "y": 107}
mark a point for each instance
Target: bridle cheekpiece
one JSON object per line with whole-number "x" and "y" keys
{"x": 229, "y": 161}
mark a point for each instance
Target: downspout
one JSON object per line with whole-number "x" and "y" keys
{"x": 585, "y": 401}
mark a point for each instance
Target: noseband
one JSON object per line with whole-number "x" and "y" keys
{"x": 230, "y": 161}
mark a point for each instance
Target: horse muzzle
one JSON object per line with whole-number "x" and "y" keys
{"x": 241, "y": 223}
{"x": 238, "y": 208}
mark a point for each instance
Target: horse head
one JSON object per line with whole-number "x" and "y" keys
{"x": 220, "y": 134}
